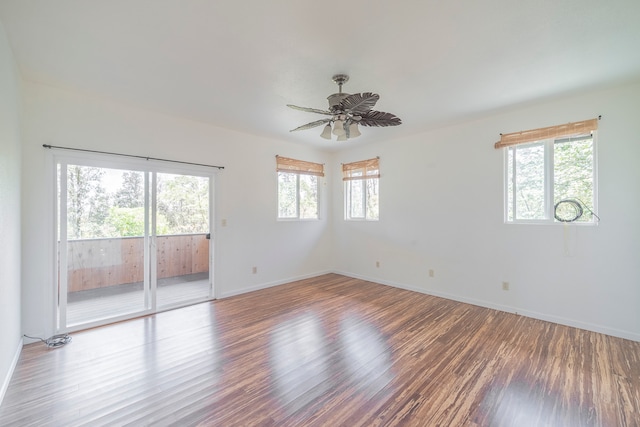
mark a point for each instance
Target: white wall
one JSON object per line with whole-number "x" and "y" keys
{"x": 245, "y": 192}
{"x": 9, "y": 212}
{"x": 442, "y": 209}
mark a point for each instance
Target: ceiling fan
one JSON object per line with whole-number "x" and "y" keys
{"x": 346, "y": 112}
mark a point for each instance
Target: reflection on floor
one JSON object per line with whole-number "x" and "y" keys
{"x": 95, "y": 304}
{"x": 328, "y": 351}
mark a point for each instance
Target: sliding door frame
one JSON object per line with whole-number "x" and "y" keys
{"x": 150, "y": 168}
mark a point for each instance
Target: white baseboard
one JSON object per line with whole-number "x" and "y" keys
{"x": 270, "y": 284}
{"x": 7, "y": 379}
{"x": 509, "y": 309}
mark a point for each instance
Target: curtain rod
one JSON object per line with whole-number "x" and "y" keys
{"x": 131, "y": 155}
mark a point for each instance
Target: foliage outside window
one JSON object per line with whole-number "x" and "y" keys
{"x": 540, "y": 175}
{"x": 104, "y": 202}
{"x": 361, "y": 190}
{"x": 298, "y": 188}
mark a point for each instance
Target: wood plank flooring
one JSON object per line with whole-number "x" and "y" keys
{"x": 329, "y": 351}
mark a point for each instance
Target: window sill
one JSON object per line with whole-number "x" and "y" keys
{"x": 552, "y": 223}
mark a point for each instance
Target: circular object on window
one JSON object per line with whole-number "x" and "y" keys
{"x": 567, "y": 210}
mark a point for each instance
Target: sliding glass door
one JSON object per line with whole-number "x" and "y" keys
{"x": 132, "y": 240}
{"x": 101, "y": 245}
{"x": 182, "y": 238}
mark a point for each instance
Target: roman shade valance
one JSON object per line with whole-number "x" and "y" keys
{"x": 285, "y": 164}
{"x": 570, "y": 129}
{"x": 363, "y": 169}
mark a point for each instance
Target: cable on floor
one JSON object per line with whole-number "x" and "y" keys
{"x": 54, "y": 341}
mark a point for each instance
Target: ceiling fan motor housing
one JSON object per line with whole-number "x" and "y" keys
{"x": 335, "y": 100}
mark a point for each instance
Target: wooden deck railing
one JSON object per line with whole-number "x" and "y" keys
{"x": 98, "y": 263}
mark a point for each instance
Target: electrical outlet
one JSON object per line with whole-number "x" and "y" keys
{"x": 431, "y": 273}
{"x": 377, "y": 264}
{"x": 254, "y": 270}
{"x": 505, "y": 286}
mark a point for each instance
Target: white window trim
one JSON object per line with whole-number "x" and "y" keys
{"x": 364, "y": 201}
{"x": 548, "y": 186}
{"x": 297, "y": 217}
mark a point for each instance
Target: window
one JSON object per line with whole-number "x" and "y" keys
{"x": 361, "y": 189}
{"x": 298, "y": 188}
{"x": 551, "y": 174}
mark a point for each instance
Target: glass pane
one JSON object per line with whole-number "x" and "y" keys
{"x": 287, "y": 195}
{"x": 573, "y": 174}
{"x": 372, "y": 198}
{"x": 182, "y": 227}
{"x": 308, "y": 196}
{"x": 510, "y": 154}
{"x": 105, "y": 243}
{"x": 529, "y": 191}
{"x": 355, "y": 198}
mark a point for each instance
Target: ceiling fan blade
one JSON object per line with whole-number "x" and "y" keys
{"x": 310, "y": 110}
{"x": 379, "y": 118}
{"x": 360, "y": 103}
{"x": 311, "y": 125}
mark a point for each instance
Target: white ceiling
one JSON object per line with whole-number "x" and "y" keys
{"x": 237, "y": 63}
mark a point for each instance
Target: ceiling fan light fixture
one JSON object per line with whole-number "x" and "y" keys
{"x": 354, "y": 132}
{"x": 326, "y": 132}
{"x": 342, "y": 137}
{"x": 338, "y": 128}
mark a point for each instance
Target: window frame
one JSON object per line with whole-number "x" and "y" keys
{"x": 150, "y": 168}
{"x": 363, "y": 167}
{"x": 549, "y": 166}
{"x": 297, "y": 217}
{"x": 296, "y": 167}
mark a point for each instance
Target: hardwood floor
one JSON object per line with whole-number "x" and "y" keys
{"x": 329, "y": 351}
